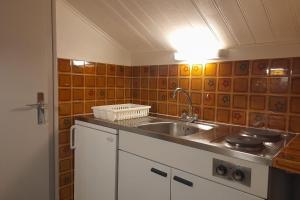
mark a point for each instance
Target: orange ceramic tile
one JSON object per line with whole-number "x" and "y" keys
{"x": 196, "y": 70}
{"x": 259, "y": 85}
{"x": 64, "y": 65}
{"x": 144, "y": 71}
{"x": 64, "y": 123}
{"x": 77, "y": 69}
{"x": 258, "y": 120}
{"x": 223, "y": 115}
{"x": 144, "y": 94}
{"x": 295, "y": 105}
{"x": 196, "y": 98}
{"x": 101, "y": 94}
{"x": 172, "y": 83}
{"x": 184, "y": 70}
{"x": 182, "y": 98}
{"x": 170, "y": 97}
{"x": 111, "y": 81}
{"x": 112, "y": 102}
{"x": 294, "y": 124}
{"x": 153, "y": 83}
{"x": 90, "y": 94}
{"x": 209, "y": 99}
{"x": 111, "y": 69}
{"x": 128, "y": 71}
{"x": 238, "y": 117}
{"x": 78, "y": 94}
{"x": 172, "y": 109}
{"x": 210, "y": 69}
{"x": 209, "y": 114}
{"x": 162, "y": 83}
{"x": 144, "y": 83}
{"x": 153, "y": 108}
{"x": 257, "y": 102}
{"x": 277, "y": 122}
{"x": 184, "y": 83}
{"x": 88, "y": 106}
{"x": 101, "y": 69}
{"x": 296, "y": 66}
{"x": 225, "y": 69}
{"x": 163, "y": 70}
{"x": 128, "y": 93}
{"x": 162, "y": 95}
{"x": 65, "y": 178}
{"x": 78, "y": 108}
{"x": 65, "y": 165}
{"x": 173, "y": 70}
{"x": 280, "y": 67}
{"x": 66, "y": 192}
{"x": 120, "y": 82}
{"x": 89, "y": 81}
{"x": 162, "y": 108}
{"x": 153, "y": 71}
{"x": 64, "y": 109}
{"x": 240, "y": 101}
{"x": 64, "y": 137}
{"x": 90, "y": 68}
{"x": 277, "y": 104}
{"x": 136, "y": 94}
{"x": 136, "y": 71}
{"x": 223, "y": 100}
{"x": 110, "y": 93}
{"x": 279, "y": 85}
{"x": 153, "y": 95}
{"x": 100, "y": 103}
{"x": 209, "y": 84}
{"x": 128, "y": 83}
{"x": 64, "y": 80}
{"x": 224, "y": 84}
{"x": 100, "y": 81}
{"x": 120, "y": 70}
{"x": 77, "y": 80}
{"x": 197, "y": 110}
{"x": 260, "y": 67}
{"x": 64, "y": 94}
{"x": 241, "y": 68}
{"x": 196, "y": 84}
{"x": 295, "y": 85}
{"x": 240, "y": 85}
{"x": 120, "y": 93}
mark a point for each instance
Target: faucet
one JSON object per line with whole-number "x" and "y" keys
{"x": 190, "y": 117}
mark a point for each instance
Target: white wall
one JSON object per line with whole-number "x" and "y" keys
{"x": 78, "y": 38}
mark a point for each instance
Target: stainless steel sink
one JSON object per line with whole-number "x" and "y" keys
{"x": 176, "y": 128}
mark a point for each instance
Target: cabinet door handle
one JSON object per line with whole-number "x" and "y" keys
{"x": 183, "y": 181}
{"x": 72, "y": 138}
{"x": 161, "y": 173}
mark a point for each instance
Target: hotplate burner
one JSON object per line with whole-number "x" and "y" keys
{"x": 244, "y": 143}
{"x": 263, "y": 135}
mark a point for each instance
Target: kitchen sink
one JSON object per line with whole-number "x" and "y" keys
{"x": 176, "y": 128}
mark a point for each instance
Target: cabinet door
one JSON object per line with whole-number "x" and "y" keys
{"x": 95, "y": 164}
{"x": 189, "y": 187}
{"x": 141, "y": 179}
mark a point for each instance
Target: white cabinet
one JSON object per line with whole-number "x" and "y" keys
{"x": 95, "y": 163}
{"x": 189, "y": 187}
{"x": 141, "y": 179}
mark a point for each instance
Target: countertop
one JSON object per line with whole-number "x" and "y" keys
{"x": 289, "y": 157}
{"x": 208, "y": 141}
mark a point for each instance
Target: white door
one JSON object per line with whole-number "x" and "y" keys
{"x": 95, "y": 164}
{"x": 186, "y": 186}
{"x": 26, "y": 65}
{"x": 142, "y": 179}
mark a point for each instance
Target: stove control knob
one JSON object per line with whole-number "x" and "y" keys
{"x": 221, "y": 170}
{"x": 238, "y": 175}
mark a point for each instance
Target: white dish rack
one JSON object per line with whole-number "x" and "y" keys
{"x": 120, "y": 111}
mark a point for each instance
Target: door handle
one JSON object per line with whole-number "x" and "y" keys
{"x": 157, "y": 171}
{"x": 40, "y": 106}
{"x": 72, "y": 137}
{"x": 183, "y": 181}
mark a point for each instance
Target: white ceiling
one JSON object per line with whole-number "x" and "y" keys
{"x": 145, "y": 25}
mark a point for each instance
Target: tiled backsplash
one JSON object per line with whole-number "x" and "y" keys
{"x": 261, "y": 93}
{"x": 82, "y": 86}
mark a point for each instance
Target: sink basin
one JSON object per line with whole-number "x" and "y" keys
{"x": 176, "y": 128}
